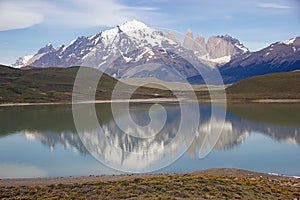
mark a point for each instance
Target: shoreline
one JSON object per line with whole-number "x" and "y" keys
{"x": 153, "y": 100}
{"x": 276, "y": 101}
{"x": 95, "y": 102}
{"x": 218, "y": 172}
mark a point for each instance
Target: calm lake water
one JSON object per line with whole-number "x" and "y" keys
{"x": 42, "y": 141}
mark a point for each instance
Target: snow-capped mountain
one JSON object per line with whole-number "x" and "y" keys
{"x": 278, "y": 57}
{"x": 29, "y": 59}
{"x": 134, "y": 50}
{"x": 20, "y": 62}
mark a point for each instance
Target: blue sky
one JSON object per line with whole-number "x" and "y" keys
{"x": 25, "y": 26}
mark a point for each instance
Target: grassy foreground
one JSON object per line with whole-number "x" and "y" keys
{"x": 44, "y": 85}
{"x": 185, "y": 186}
{"x": 48, "y": 85}
{"x": 284, "y": 85}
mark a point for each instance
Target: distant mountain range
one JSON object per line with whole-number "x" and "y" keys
{"x": 134, "y": 50}
{"x": 278, "y": 57}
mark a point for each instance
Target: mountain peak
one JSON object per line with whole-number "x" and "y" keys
{"x": 188, "y": 41}
{"x": 189, "y": 31}
{"x": 234, "y": 42}
{"x": 46, "y": 49}
{"x": 170, "y": 35}
{"x": 132, "y": 26}
{"x": 291, "y": 41}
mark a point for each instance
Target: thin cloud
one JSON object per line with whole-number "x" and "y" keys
{"x": 145, "y": 8}
{"x": 273, "y": 5}
{"x": 15, "y": 14}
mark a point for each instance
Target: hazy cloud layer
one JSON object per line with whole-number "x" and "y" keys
{"x": 16, "y": 14}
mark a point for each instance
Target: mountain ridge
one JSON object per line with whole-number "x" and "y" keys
{"x": 135, "y": 50}
{"x": 281, "y": 56}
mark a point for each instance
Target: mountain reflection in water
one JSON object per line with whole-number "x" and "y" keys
{"x": 53, "y": 126}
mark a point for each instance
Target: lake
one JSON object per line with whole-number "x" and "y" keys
{"x": 42, "y": 141}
